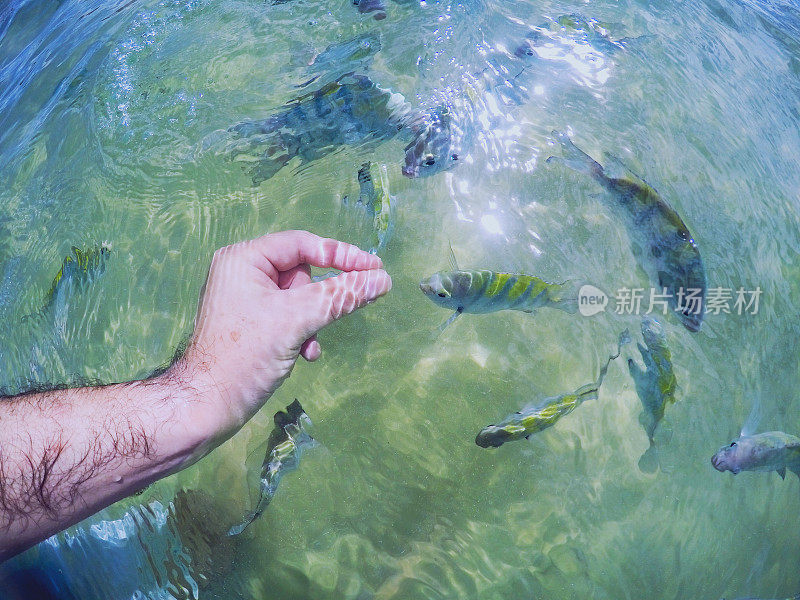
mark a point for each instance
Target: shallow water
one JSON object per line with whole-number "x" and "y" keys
{"x": 110, "y": 118}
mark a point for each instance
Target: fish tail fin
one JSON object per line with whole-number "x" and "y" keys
{"x": 624, "y": 338}
{"x": 576, "y": 159}
{"x": 237, "y": 529}
{"x": 587, "y": 392}
{"x": 295, "y": 410}
{"x": 648, "y": 462}
{"x": 565, "y": 296}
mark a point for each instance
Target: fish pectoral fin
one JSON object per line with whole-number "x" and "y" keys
{"x": 308, "y": 82}
{"x": 248, "y": 518}
{"x": 447, "y": 323}
{"x": 782, "y": 472}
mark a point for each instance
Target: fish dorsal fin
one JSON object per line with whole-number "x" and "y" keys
{"x": 295, "y": 411}
{"x": 282, "y": 419}
{"x": 451, "y": 258}
{"x": 616, "y": 169}
{"x": 782, "y": 472}
{"x": 325, "y": 90}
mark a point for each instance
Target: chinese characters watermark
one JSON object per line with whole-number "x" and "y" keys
{"x": 637, "y": 301}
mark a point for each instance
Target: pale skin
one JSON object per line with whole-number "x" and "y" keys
{"x": 66, "y": 454}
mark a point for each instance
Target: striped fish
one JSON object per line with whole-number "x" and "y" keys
{"x": 286, "y": 443}
{"x": 437, "y": 145}
{"x": 373, "y": 181}
{"x": 544, "y": 414}
{"x": 484, "y": 291}
{"x": 655, "y": 385}
{"x": 349, "y": 111}
{"x": 78, "y": 270}
{"x": 661, "y": 242}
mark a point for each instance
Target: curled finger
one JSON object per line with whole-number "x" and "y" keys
{"x": 325, "y": 301}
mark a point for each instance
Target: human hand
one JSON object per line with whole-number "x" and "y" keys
{"x": 259, "y": 311}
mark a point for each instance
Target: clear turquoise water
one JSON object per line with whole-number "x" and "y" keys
{"x": 106, "y": 111}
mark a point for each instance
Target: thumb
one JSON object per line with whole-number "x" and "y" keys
{"x": 323, "y": 302}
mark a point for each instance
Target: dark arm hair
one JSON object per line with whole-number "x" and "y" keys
{"x": 67, "y": 450}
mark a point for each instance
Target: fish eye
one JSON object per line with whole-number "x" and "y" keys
{"x": 442, "y": 295}
{"x": 429, "y": 161}
{"x": 733, "y": 444}
{"x": 454, "y": 156}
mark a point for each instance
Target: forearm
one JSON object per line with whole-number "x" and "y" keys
{"x": 66, "y": 454}
{"x": 69, "y": 453}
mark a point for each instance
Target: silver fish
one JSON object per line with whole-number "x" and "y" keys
{"x": 770, "y": 451}
{"x": 575, "y": 28}
{"x": 373, "y": 181}
{"x": 349, "y": 111}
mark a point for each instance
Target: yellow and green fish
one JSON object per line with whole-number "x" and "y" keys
{"x": 286, "y": 443}
{"x": 541, "y": 415}
{"x": 483, "y": 291}
{"x": 655, "y": 385}
{"x": 77, "y": 270}
{"x": 661, "y": 241}
{"x": 373, "y": 181}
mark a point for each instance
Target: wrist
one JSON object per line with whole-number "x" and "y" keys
{"x": 205, "y": 410}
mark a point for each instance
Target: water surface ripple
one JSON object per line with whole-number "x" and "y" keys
{"x": 111, "y": 115}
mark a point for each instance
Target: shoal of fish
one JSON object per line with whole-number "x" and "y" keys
{"x": 348, "y": 108}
